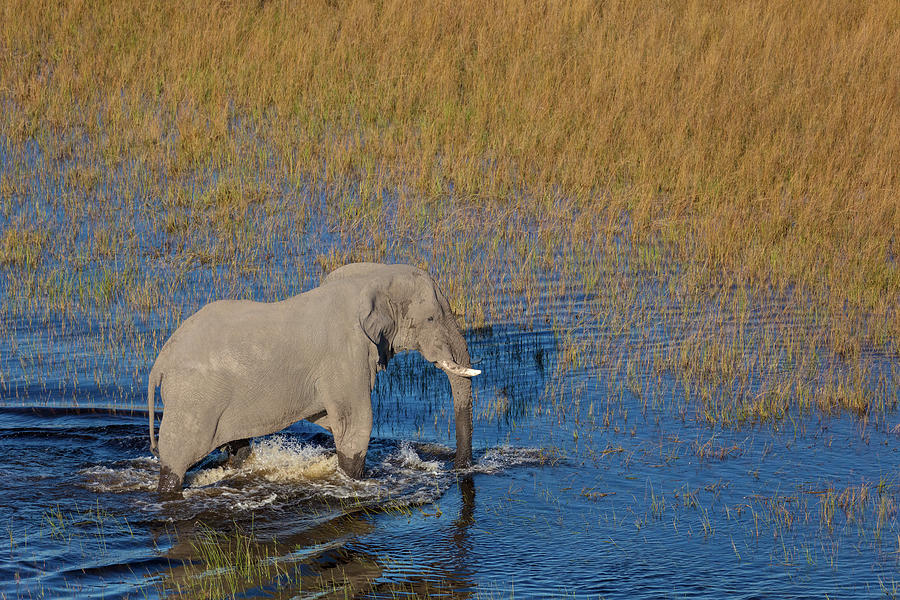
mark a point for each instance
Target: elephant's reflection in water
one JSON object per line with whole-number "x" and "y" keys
{"x": 263, "y": 558}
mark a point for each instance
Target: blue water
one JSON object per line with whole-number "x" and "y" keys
{"x": 663, "y": 507}
{"x": 595, "y": 476}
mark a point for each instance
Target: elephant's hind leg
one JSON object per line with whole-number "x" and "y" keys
{"x": 174, "y": 461}
{"x": 238, "y": 451}
{"x": 186, "y": 432}
{"x": 169, "y": 482}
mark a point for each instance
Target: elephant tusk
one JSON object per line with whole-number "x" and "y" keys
{"x": 455, "y": 369}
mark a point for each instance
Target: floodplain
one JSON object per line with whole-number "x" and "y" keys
{"x": 669, "y": 231}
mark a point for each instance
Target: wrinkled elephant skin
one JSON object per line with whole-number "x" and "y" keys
{"x": 238, "y": 369}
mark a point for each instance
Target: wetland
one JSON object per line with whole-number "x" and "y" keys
{"x": 671, "y": 248}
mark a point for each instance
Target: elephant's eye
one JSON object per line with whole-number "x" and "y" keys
{"x": 430, "y": 319}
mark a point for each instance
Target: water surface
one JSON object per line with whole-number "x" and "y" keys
{"x": 557, "y": 504}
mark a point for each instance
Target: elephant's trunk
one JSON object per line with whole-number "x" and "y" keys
{"x": 461, "y": 387}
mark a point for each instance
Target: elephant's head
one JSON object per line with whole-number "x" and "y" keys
{"x": 403, "y": 309}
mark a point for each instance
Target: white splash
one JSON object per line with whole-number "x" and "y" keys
{"x": 205, "y": 477}
{"x": 284, "y": 471}
{"x": 139, "y": 474}
{"x": 254, "y": 504}
{"x": 279, "y": 459}
{"x": 411, "y": 460}
{"x": 499, "y": 459}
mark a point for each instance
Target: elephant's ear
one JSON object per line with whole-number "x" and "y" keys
{"x": 378, "y": 322}
{"x": 442, "y": 300}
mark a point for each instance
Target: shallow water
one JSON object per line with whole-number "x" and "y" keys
{"x": 595, "y": 474}
{"x": 559, "y": 503}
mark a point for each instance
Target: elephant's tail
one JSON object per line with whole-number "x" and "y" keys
{"x": 153, "y": 381}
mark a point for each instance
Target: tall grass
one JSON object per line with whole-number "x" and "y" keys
{"x": 732, "y": 156}
{"x": 699, "y": 119}
{"x": 761, "y": 139}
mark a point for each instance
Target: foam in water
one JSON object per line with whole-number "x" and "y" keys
{"x": 138, "y": 474}
{"x": 255, "y": 504}
{"x": 280, "y": 459}
{"x": 281, "y": 471}
{"x": 504, "y": 457}
{"x": 411, "y": 460}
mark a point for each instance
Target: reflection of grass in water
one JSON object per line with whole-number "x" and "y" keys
{"x": 237, "y": 563}
{"x": 858, "y": 505}
{"x": 89, "y": 527}
{"x": 22, "y": 245}
{"x": 738, "y": 359}
{"x": 226, "y": 564}
{"x": 211, "y": 563}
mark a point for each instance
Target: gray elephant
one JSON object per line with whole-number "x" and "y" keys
{"x": 238, "y": 369}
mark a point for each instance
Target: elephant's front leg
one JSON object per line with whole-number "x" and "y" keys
{"x": 349, "y": 408}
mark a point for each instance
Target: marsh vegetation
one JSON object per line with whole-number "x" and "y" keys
{"x": 670, "y": 229}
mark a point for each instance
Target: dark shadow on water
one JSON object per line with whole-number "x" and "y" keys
{"x": 465, "y": 519}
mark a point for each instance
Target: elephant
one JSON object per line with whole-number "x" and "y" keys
{"x": 238, "y": 369}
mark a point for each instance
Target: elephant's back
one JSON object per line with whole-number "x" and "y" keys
{"x": 220, "y": 330}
